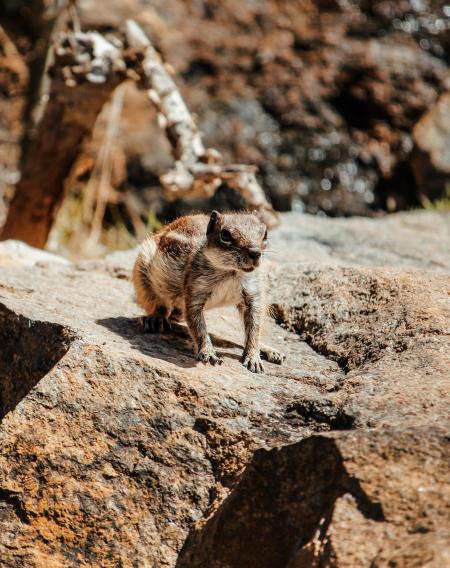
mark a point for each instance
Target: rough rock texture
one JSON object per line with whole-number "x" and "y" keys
{"x": 324, "y": 502}
{"x": 322, "y": 95}
{"x": 118, "y": 449}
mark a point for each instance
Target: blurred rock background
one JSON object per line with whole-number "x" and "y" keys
{"x": 343, "y": 105}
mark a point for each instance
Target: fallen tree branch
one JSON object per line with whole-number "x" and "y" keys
{"x": 197, "y": 172}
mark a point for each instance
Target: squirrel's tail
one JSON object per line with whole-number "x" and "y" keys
{"x": 145, "y": 295}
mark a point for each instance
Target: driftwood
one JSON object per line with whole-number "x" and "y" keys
{"x": 197, "y": 172}
{"x": 86, "y": 69}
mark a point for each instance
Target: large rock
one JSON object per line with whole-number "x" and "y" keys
{"x": 404, "y": 240}
{"x": 432, "y": 134}
{"x": 118, "y": 449}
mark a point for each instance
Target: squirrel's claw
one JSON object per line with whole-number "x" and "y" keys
{"x": 156, "y": 324}
{"x": 253, "y": 363}
{"x": 272, "y": 355}
{"x": 209, "y": 356}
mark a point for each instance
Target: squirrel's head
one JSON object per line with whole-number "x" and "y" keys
{"x": 236, "y": 241}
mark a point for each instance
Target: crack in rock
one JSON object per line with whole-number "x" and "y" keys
{"x": 321, "y": 415}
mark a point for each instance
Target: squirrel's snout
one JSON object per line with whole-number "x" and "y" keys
{"x": 254, "y": 253}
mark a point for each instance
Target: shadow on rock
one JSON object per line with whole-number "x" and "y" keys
{"x": 284, "y": 502}
{"x": 173, "y": 347}
{"x": 30, "y": 349}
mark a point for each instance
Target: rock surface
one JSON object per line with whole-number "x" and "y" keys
{"x": 415, "y": 239}
{"x": 119, "y": 449}
{"x": 17, "y": 253}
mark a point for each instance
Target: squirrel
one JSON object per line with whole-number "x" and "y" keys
{"x": 197, "y": 263}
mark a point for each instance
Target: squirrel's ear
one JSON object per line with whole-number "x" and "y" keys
{"x": 212, "y": 221}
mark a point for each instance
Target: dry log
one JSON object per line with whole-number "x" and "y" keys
{"x": 85, "y": 71}
{"x": 197, "y": 172}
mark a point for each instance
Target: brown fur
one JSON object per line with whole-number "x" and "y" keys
{"x": 197, "y": 263}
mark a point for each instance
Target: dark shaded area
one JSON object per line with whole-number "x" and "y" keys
{"x": 173, "y": 346}
{"x": 320, "y": 414}
{"x": 12, "y": 500}
{"x": 309, "y": 331}
{"x": 29, "y": 350}
{"x": 224, "y": 199}
{"x": 403, "y": 187}
{"x": 284, "y": 499}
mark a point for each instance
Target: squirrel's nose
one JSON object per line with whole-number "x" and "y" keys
{"x": 254, "y": 253}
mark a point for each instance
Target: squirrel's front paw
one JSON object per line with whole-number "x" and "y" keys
{"x": 208, "y": 355}
{"x": 253, "y": 363}
{"x": 272, "y": 355}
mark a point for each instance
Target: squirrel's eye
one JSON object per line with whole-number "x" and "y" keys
{"x": 265, "y": 235}
{"x": 225, "y": 236}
